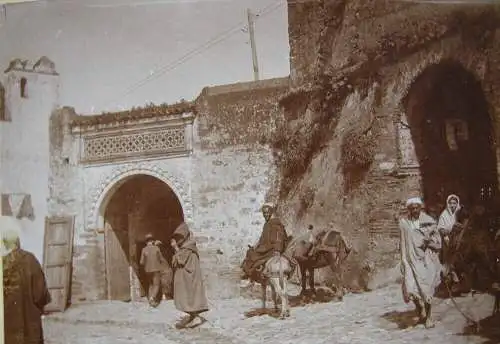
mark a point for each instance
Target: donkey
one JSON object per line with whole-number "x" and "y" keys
{"x": 275, "y": 273}
{"x": 329, "y": 250}
{"x": 475, "y": 257}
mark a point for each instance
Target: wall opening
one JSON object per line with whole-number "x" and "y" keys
{"x": 24, "y": 88}
{"x": 141, "y": 204}
{"x": 452, "y": 133}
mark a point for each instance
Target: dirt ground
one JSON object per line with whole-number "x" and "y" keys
{"x": 375, "y": 317}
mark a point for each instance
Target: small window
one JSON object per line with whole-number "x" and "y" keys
{"x": 24, "y": 90}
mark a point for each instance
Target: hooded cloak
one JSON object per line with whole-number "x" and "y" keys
{"x": 189, "y": 289}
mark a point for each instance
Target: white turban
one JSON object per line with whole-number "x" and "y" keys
{"x": 268, "y": 205}
{"x": 414, "y": 200}
{"x": 10, "y": 231}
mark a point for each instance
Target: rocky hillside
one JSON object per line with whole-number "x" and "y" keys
{"x": 337, "y": 146}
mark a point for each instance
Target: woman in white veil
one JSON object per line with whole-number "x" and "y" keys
{"x": 448, "y": 217}
{"x": 447, "y": 221}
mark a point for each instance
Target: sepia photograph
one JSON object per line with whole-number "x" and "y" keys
{"x": 250, "y": 171}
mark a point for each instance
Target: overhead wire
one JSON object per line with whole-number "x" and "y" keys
{"x": 209, "y": 44}
{"x": 197, "y": 51}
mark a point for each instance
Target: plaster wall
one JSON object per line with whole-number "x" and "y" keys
{"x": 25, "y": 151}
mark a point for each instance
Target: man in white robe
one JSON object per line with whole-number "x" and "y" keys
{"x": 420, "y": 266}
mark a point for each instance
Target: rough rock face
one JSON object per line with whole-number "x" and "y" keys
{"x": 344, "y": 154}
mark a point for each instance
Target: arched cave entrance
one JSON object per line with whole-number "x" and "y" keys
{"x": 141, "y": 204}
{"x": 453, "y": 136}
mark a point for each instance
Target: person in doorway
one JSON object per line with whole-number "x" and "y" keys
{"x": 189, "y": 291}
{"x": 420, "y": 266}
{"x": 448, "y": 218}
{"x": 25, "y": 288}
{"x": 446, "y": 223}
{"x": 152, "y": 261}
{"x": 166, "y": 274}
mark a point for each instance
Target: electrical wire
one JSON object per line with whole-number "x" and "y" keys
{"x": 197, "y": 51}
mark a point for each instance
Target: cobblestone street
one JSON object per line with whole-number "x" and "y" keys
{"x": 374, "y": 317}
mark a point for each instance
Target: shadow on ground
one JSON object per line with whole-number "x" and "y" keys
{"x": 403, "y": 319}
{"x": 321, "y": 296}
{"x": 257, "y": 312}
{"x": 489, "y": 329}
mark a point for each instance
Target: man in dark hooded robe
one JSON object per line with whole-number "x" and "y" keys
{"x": 272, "y": 241}
{"x": 189, "y": 290}
{"x": 25, "y": 289}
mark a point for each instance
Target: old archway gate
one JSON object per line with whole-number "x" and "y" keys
{"x": 208, "y": 153}
{"x": 92, "y": 158}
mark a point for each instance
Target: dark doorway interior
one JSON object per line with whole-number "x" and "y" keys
{"x": 453, "y": 136}
{"x": 141, "y": 205}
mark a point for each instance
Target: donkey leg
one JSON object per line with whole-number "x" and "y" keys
{"x": 496, "y": 308}
{"x": 264, "y": 294}
{"x": 274, "y": 294}
{"x": 311, "y": 280}
{"x": 278, "y": 292}
{"x": 285, "y": 307}
{"x": 303, "y": 278}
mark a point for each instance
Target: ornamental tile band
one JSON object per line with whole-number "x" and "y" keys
{"x": 132, "y": 144}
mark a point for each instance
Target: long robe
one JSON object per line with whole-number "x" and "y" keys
{"x": 420, "y": 264}
{"x": 273, "y": 238}
{"x": 25, "y": 296}
{"x": 446, "y": 223}
{"x": 189, "y": 290}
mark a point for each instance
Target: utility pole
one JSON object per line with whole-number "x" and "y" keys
{"x": 252, "y": 44}
{"x": 3, "y": 14}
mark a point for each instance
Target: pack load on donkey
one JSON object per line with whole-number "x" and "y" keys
{"x": 326, "y": 248}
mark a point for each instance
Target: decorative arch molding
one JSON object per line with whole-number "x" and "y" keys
{"x": 450, "y": 50}
{"x": 102, "y": 191}
{"x": 471, "y": 61}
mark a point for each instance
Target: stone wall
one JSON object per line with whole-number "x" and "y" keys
{"x": 233, "y": 170}
{"x": 303, "y": 34}
{"x": 221, "y": 184}
{"x": 378, "y": 47}
{"x": 66, "y": 187}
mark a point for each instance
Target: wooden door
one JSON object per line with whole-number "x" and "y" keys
{"x": 58, "y": 260}
{"x": 117, "y": 265}
{"x": 136, "y": 245}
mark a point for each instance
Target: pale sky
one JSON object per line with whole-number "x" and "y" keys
{"x": 103, "y": 49}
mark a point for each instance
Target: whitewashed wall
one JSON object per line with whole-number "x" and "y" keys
{"x": 25, "y": 152}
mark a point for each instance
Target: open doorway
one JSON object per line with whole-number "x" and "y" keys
{"x": 142, "y": 204}
{"x": 452, "y": 133}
